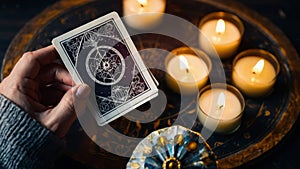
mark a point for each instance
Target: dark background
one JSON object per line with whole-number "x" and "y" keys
{"x": 283, "y": 13}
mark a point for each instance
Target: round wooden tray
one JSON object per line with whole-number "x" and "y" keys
{"x": 266, "y": 120}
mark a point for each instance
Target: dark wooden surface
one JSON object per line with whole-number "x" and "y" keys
{"x": 14, "y": 14}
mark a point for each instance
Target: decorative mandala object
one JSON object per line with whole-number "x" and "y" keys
{"x": 173, "y": 147}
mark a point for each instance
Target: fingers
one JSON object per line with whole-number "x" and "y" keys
{"x": 24, "y": 92}
{"x": 26, "y": 67}
{"x": 29, "y": 88}
{"x": 44, "y": 55}
{"x": 61, "y": 117}
{"x": 55, "y": 72}
{"x": 30, "y": 63}
{"x": 18, "y": 95}
{"x": 54, "y": 80}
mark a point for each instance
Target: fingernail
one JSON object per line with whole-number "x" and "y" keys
{"x": 83, "y": 91}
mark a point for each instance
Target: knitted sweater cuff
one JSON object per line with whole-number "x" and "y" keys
{"x": 24, "y": 143}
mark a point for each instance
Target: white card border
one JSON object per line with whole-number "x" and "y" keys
{"x": 137, "y": 58}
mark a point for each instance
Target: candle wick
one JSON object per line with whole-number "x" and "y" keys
{"x": 187, "y": 70}
{"x": 253, "y": 72}
{"x": 142, "y": 5}
{"x": 219, "y": 109}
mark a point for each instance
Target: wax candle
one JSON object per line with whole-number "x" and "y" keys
{"x": 222, "y": 31}
{"x": 188, "y": 70}
{"x": 254, "y": 72}
{"x": 143, "y": 14}
{"x": 220, "y": 108}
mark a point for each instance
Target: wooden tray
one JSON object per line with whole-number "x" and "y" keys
{"x": 265, "y": 123}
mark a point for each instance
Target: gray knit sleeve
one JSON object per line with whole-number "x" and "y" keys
{"x": 24, "y": 143}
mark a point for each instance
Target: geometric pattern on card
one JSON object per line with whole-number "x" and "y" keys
{"x": 108, "y": 63}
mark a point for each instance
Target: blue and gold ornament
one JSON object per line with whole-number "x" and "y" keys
{"x": 173, "y": 147}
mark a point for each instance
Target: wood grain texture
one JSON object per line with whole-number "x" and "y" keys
{"x": 20, "y": 43}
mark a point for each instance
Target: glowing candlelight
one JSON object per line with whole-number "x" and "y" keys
{"x": 220, "y": 28}
{"x": 213, "y": 113}
{"x": 143, "y": 14}
{"x": 259, "y": 66}
{"x": 183, "y": 64}
{"x": 254, "y": 72}
{"x": 188, "y": 70}
{"x": 221, "y": 101}
{"x": 143, "y": 2}
{"x": 221, "y": 32}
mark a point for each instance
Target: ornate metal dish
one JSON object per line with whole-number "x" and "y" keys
{"x": 173, "y": 147}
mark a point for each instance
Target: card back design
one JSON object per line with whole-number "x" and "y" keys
{"x": 102, "y": 55}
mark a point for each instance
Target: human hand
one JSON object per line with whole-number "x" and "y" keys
{"x": 45, "y": 90}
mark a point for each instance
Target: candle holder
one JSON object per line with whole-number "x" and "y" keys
{"x": 254, "y": 72}
{"x": 143, "y": 14}
{"x": 188, "y": 70}
{"x": 221, "y": 32}
{"x": 220, "y": 108}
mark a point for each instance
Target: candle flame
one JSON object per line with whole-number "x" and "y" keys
{"x": 183, "y": 64}
{"x": 220, "y": 28}
{"x": 259, "y": 66}
{"x": 221, "y": 100}
{"x": 143, "y": 2}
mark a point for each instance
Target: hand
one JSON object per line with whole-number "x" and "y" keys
{"x": 45, "y": 90}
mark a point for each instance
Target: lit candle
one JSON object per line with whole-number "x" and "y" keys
{"x": 223, "y": 31}
{"x": 220, "y": 108}
{"x": 254, "y": 72}
{"x": 143, "y": 14}
{"x": 188, "y": 70}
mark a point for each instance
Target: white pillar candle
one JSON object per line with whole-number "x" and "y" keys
{"x": 254, "y": 72}
{"x": 220, "y": 109}
{"x": 143, "y": 14}
{"x": 223, "y": 31}
{"x": 188, "y": 70}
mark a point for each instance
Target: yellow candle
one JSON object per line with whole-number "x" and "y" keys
{"x": 222, "y": 31}
{"x": 254, "y": 75}
{"x": 188, "y": 71}
{"x": 220, "y": 109}
{"x": 143, "y": 14}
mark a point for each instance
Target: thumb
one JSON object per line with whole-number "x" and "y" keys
{"x": 63, "y": 115}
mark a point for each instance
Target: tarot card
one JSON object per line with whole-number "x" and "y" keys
{"x": 102, "y": 55}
